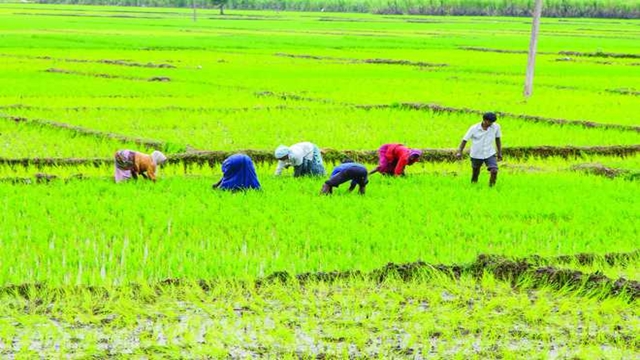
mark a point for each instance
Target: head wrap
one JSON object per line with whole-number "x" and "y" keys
{"x": 281, "y": 151}
{"x": 158, "y": 157}
{"x": 414, "y": 152}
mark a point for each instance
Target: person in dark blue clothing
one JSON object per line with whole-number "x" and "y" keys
{"x": 347, "y": 171}
{"x": 238, "y": 173}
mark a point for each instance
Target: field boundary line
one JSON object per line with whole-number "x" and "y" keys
{"x": 529, "y": 118}
{"x": 154, "y": 144}
{"x": 528, "y": 272}
{"x": 363, "y": 61}
{"x": 449, "y": 109}
{"x": 596, "y": 54}
{"x": 212, "y": 158}
{"x": 128, "y": 63}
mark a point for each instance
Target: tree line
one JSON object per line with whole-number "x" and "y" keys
{"x": 625, "y": 9}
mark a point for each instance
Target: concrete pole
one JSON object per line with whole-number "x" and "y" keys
{"x": 531, "y": 62}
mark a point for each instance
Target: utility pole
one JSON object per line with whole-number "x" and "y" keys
{"x": 193, "y": 4}
{"x": 531, "y": 62}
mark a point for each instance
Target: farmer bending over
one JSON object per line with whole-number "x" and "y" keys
{"x": 305, "y": 158}
{"x": 344, "y": 172}
{"x": 238, "y": 173}
{"x": 482, "y": 136}
{"x": 130, "y": 164}
{"x": 394, "y": 157}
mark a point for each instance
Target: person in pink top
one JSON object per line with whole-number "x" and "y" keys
{"x": 394, "y": 157}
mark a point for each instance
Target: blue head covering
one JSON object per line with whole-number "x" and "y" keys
{"x": 238, "y": 173}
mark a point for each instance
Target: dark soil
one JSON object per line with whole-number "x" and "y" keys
{"x": 365, "y": 61}
{"x": 624, "y": 92}
{"x": 520, "y": 273}
{"x": 597, "y": 54}
{"x": 108, "y": 76}
{"x": 599, "y": 169}
{"x": 600, "y": 54}
{"x": 99, "y": 75}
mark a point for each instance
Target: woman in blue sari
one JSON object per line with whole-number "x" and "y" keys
{"x": 238, "y": 173}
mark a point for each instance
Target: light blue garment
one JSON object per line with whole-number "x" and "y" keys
{"x": 281, "y": 151}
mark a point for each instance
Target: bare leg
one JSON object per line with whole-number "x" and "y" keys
{"x": 474, "y": 176}
{"x": 494, "y": 177}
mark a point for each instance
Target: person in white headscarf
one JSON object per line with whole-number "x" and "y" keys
{"x": 129, "y": 164}
{"x": 305, "y": 157}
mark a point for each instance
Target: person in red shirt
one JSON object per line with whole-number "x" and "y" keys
{"x": 394, "y": 157}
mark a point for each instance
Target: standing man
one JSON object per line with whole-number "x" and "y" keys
{"x": 482, "y": 136}
{"x": 347, "y": 171}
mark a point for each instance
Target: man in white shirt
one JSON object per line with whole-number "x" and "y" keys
{"x": 482, "y": 136}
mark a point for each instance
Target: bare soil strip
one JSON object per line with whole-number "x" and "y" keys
{"x": 598, "y": 54}
{"x": 159, "y": 145}
{"x": 107, "y": 76}
{"x": 364, "y": 61}
{"x": 599, "y": 169}
{"x": 531, "y": 118}
{"x": 520, "y": 273}
{"x": 624, "y": 92}
{"x": 213, "y": 158}
{"x": 101, "y": 61}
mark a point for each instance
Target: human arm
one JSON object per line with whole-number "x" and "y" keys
{"x": 151, "y": 173}
{"x": 461, "y": 148}
{"x": 281, "y": 166}
{"x": 216, "y": 185}
{"x": 374, "y": 171}
{"x": 499, "y": 142}
{"x": 402, "y": 162}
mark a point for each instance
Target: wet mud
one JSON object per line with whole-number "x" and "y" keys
{"x": 522, "y": 273}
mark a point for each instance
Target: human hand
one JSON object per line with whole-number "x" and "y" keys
{"x": 499, "y": 157}
{"x": 459, "y": 155}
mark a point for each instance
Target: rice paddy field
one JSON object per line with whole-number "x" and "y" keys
{"x": 545, "y": 264}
